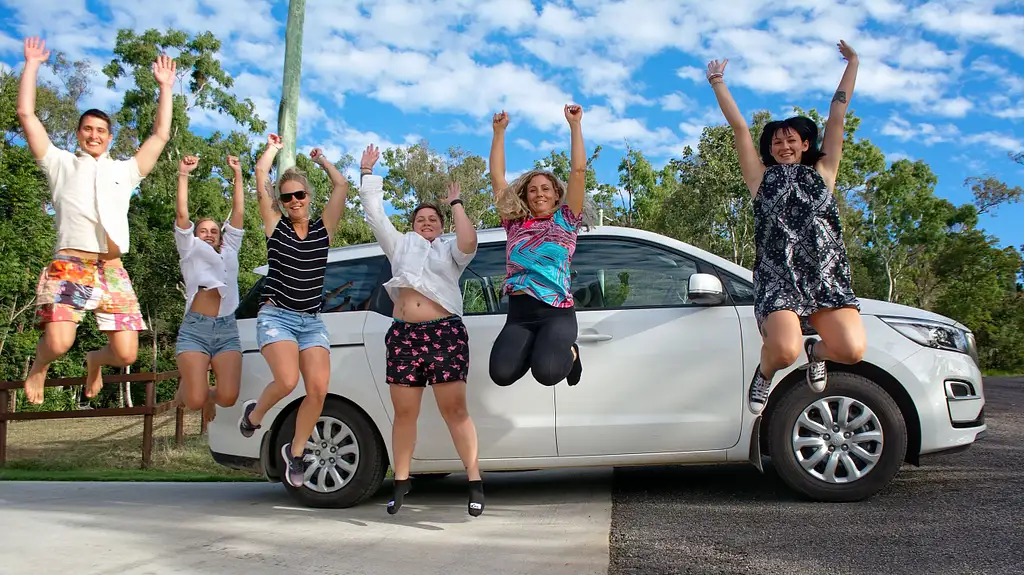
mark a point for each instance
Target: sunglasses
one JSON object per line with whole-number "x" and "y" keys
{"x": 299, "y": 195}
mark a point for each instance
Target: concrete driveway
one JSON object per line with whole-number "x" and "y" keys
{"x": 549, "y": 522}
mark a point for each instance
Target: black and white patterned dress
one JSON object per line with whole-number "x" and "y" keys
{"x": 800, "y": 263}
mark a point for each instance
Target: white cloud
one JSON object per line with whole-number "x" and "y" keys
{"x": 675, "y": 102}
{"x": 923, "y": 132}
{"x": 952, "y": 108}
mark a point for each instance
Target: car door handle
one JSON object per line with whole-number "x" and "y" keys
{"x": 594, "y": 337}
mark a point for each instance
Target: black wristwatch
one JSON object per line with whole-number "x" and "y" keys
{"x": 455, "y": 201}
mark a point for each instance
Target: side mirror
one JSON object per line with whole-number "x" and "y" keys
{"x": 705, "y": 289}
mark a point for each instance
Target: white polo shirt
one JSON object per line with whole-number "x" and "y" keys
{"x": 90, "y": 198}
{"x": 431, "y": 268}
{"x": 203, "y": 266}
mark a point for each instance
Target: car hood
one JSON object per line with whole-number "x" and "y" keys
{"x": 878, "y": 307}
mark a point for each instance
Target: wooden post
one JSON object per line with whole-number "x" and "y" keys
{"x": 288, "y": 112}
{"x": 147, "y": 423}
{"x": 3, "y": 428}
{"x": 179, "y": 425}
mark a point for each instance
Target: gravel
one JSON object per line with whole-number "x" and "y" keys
{"x": 958, "y": 513}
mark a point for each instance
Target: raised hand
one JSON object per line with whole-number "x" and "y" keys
{"x": 500, "y": 121}
{"x": 716, "y": 69}
{"x": 453, "y": 192}
{"x": 274, "y": 141}
{"x": 847, "y": 51}
{"x": 317, "y": 155}
{"x": 165, "y": 71}
{"x": 234, "y": 164}
{"x": 573, "y": 113}
{"x": 35, "y": 50}
{"x": 187, "y": 164}
{"x": 370, "y": 156}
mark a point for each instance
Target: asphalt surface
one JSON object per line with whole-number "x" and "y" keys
{"x": 960, "y": 513}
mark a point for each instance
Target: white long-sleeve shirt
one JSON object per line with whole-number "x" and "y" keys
{"x": 431, "y": 268}
{"x": 201, "y": 265}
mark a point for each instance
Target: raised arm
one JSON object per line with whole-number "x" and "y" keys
{"x": 465, "y": 233}
{"x": 832, "y": 144}
{"x": 497, "y": 159}
{"x": 578, "y": 161}
{"x": 164, "y": 70}
{"x": 185, "y": 167}
{"x": 750, "y": 162}
{"x": 266, "y": 197}
{"x": 371, "y": 196}
{"x": 238, "y": 199}
{"x": 335, "y": 207}
{"x": 38, "y": 140}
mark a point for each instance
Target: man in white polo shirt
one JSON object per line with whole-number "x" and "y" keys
{"x": 90, "y": 193}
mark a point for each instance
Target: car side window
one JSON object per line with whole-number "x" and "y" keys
{"x": 612, "y": 273}
{"x": 482, "y": 280}
{"x": 349, "y": 285}
{"x": 742, "y": 292}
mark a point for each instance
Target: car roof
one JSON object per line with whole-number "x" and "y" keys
{"x": 497, "y": 235}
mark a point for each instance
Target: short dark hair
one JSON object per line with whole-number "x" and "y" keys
{"x": 804, "y": 127}
{"x": 427, "y": 206}
{"x": 94, "y": 113}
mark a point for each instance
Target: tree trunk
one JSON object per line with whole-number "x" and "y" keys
{"x": 287, "y": 116}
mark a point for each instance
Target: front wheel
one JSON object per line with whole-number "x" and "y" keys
{"x": 345, "y": 464}
{"x": 844, "y": 444}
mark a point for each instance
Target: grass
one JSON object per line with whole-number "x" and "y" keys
{"x": 110, "y": 449}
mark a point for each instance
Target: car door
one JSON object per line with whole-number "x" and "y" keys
{"x": 514, "y": 421}
{"x": 660, "y": 373}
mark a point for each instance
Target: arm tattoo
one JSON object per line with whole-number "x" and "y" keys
{"x": 840, "y": 96}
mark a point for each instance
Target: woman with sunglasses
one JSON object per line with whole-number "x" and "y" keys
{"x": 427, "y": 343}
{"x": 208, "y": 336}
{"x": 290, "y": 334}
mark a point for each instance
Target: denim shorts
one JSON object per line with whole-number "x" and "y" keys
{"x": 209, "y": 335}
{"x": 274, "y": 324}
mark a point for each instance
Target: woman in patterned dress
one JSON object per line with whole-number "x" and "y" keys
{"x": 542, "y": 217}
{"x": 801, "y": 271}
{"x": 427, "y": 343}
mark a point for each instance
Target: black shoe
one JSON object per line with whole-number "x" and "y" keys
{"x": 244, "y": 425}
{"x": 757, "y": 393}
{"x": 295, "y": 467}
{"x": 577, "y": 367}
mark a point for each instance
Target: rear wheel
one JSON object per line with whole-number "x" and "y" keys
{"x": 345, "y": 464}
{"x": 844, "y": 444}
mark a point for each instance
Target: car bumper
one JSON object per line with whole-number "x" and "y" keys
{"x": 948, "y": 391}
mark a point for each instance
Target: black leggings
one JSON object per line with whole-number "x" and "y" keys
{"x": 536, "y": 337}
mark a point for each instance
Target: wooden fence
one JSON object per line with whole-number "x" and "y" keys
{"x": 147, "y": 411}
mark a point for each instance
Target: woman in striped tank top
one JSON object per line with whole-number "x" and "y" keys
{"x": 289, "y": 331}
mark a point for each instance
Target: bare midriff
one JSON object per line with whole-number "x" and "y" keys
{"x": 206, "y": 302}
{"x": 110, "y": 257}
{"x": 414, "y": 307}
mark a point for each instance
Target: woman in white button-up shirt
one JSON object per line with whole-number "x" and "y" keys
{"x": 209, "y": 332}
{"x": 427, "y": 344}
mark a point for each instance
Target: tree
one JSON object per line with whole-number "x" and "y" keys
{"x": 990, "y": 193}
{"x": 598, "y": 196}
{"x": 419, "y": 174}
{"x": 640, "y": 182}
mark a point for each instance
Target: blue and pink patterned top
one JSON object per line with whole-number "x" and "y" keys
{"x": 538, "y": 253}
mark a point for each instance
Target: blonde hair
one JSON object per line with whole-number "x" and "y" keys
{"x": 512, "y": 202}
{"x": 292, "y": 174}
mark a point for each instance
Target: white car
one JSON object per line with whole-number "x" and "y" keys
{"x": 668, "y": 341}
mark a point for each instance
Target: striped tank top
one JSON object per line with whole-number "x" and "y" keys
{"x": 295, "y": 279}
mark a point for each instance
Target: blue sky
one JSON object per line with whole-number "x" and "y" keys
{"x": 940, "y": 80}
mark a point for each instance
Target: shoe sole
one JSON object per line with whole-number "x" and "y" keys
{"x": 241, "y": 417}
{"x": 285, "y": 456}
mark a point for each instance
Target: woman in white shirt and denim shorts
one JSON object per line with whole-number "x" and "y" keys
{"x": 208, "y": 335}
{"x": 427, "y": 344}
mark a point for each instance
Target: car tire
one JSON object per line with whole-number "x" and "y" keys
{"x": 858, "y": 392}
{"x": 371, "y": 464}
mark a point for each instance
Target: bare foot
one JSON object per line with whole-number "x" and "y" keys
{"x": 210, "y": 409}
{"x": 94, "y": 377}
{"x": 34, "y": 388}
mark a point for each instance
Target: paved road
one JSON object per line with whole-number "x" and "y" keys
{"x": 550, "y": 522}
{"x": 960, "y": 513}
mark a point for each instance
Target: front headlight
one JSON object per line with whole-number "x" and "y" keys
{"x": 934, "y": 334}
